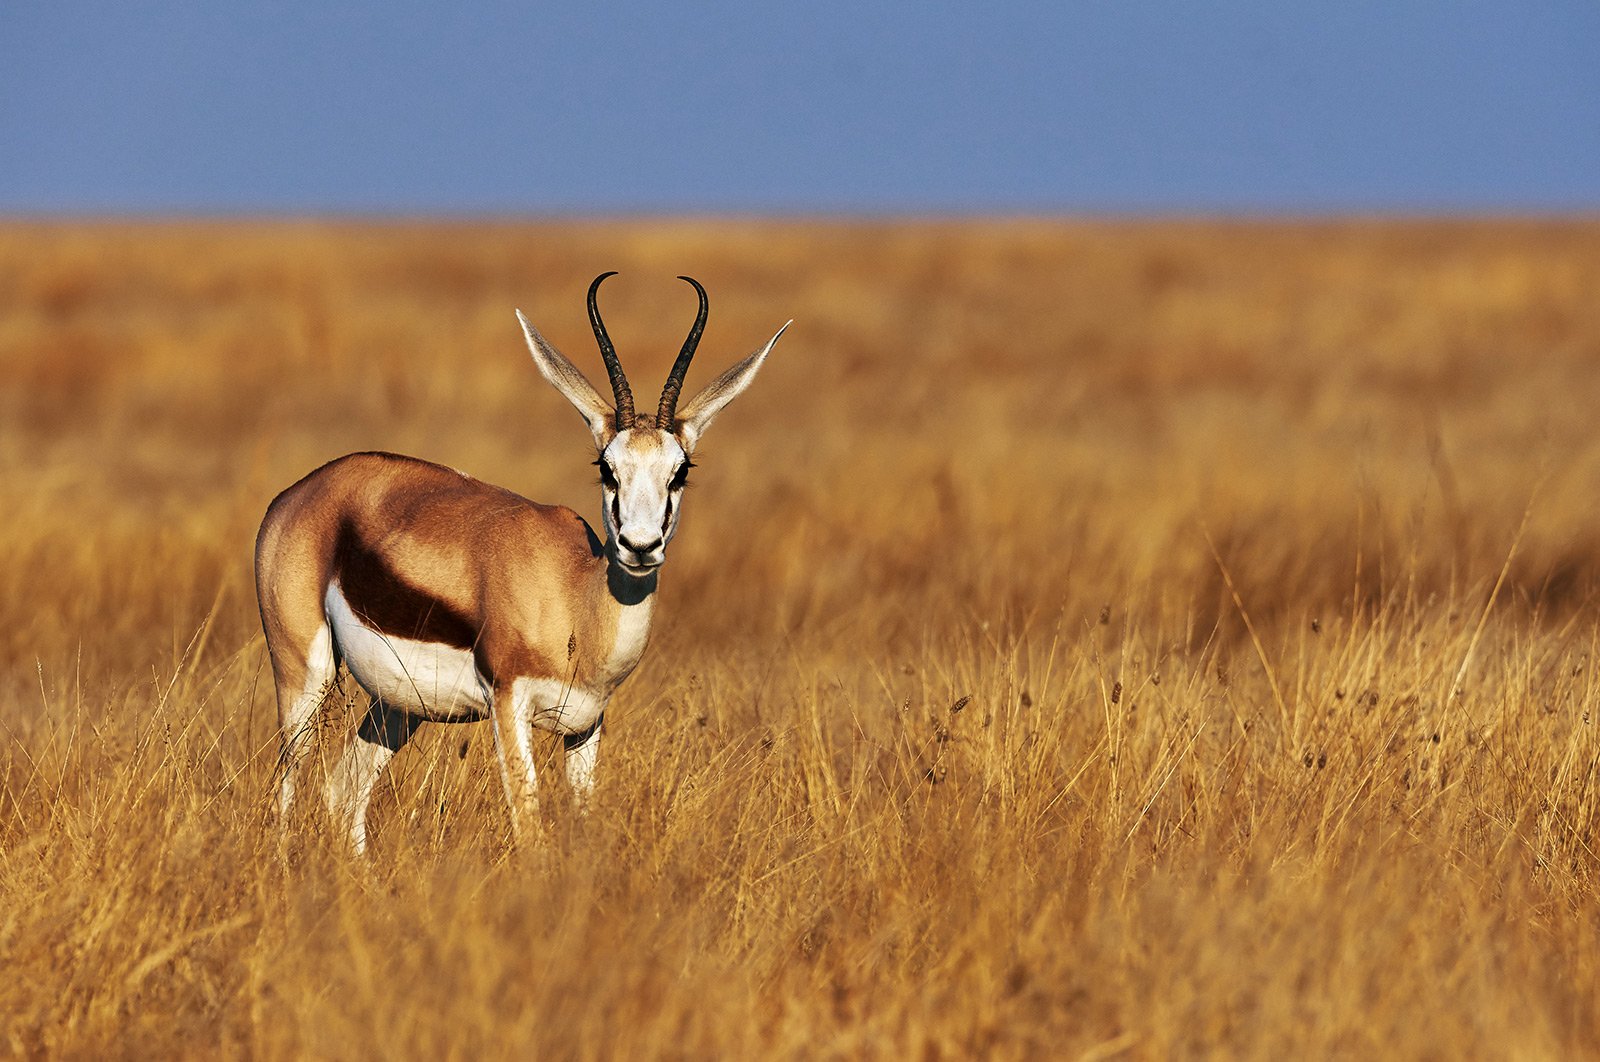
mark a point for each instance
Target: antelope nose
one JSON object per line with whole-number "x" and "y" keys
{"x": 641, "y": 548}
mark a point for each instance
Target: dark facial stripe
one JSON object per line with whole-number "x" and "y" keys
{"x": 387, "y": 603}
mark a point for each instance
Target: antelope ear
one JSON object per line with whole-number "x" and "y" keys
{"x": 565, "y": 377}
{"x": 702, "y": 409}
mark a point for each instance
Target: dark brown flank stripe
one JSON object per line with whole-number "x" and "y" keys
{"x": 388, "y": 604}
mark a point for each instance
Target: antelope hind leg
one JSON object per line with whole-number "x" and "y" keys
{"x": 382, "y": 733}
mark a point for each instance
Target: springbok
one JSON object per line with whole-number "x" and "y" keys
{"x": 450, "y": 600}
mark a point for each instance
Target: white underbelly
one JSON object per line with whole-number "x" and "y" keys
{"x": 428, "y": 679}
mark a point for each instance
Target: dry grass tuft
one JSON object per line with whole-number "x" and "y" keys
{"x": 1083, "y": 640}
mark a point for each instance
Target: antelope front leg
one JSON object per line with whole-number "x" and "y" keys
{"x": 512, "y": 713}
{"x": 582, "y": 751}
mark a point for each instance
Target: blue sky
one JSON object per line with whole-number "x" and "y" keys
{"x": 312, "y": 106}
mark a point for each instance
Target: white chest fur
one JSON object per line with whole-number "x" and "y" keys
{"x": 568, "y": 708}
{"x": 633, "y": 634}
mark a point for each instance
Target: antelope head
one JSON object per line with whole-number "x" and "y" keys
{"x": 644, "y": 460}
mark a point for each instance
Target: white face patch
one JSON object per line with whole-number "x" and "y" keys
{"x": 642, "y": 474}
{"x": 426, "y": 679}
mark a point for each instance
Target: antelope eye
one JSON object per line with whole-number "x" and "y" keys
{"x": 608, "y": 478}
{"x": 681, "y": 477}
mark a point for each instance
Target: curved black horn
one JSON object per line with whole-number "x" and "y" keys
{"x": 619, "y": 382}
{"x": 669, "y": 394}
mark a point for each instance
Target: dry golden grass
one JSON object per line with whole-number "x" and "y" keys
{"x": 1084, "y": 640}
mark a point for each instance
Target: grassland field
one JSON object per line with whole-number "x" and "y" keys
{"x": 1084, "y": 640}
